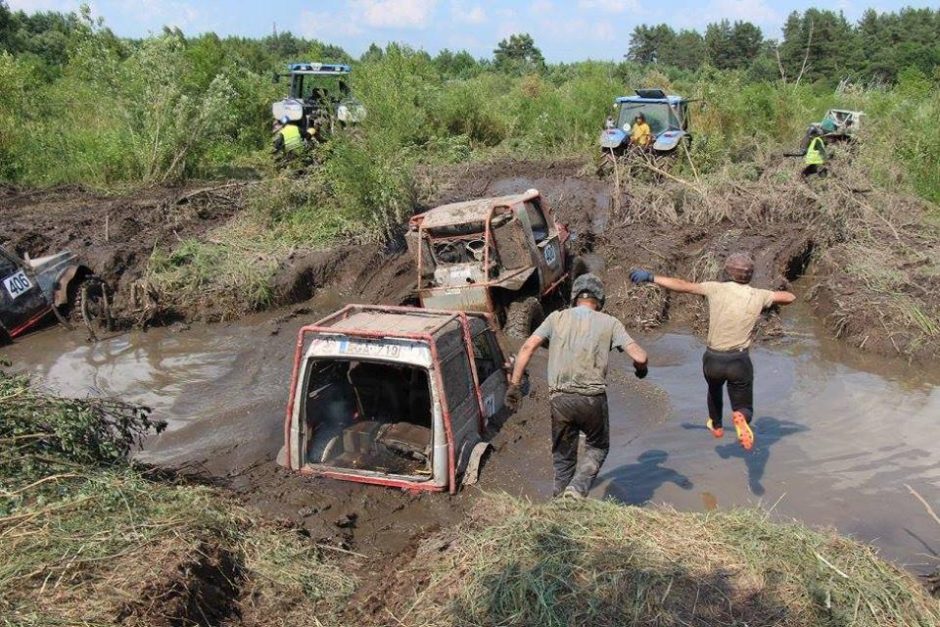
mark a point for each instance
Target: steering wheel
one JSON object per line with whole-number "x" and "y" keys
{"x": 476, "y": 248}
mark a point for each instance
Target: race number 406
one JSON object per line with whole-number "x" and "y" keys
{"x": 17, "y": 284}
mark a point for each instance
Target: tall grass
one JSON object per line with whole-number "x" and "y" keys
{"x": 599, "y": 563}
{"x": 168, "y": 108}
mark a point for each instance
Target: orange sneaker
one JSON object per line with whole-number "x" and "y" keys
{"x": 745, "y": 435}
{"x": 717, "y": 432}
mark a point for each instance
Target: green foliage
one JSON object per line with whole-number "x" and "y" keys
{"x": 518, "y": 54}
{"x": 169, "y": 107}
{"x": 41, "y": 434}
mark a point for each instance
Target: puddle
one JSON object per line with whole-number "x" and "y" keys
{"x": 839, "y": 433}
{"x": 837, "y": 441}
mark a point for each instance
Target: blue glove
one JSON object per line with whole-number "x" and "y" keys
{"x": 641, "y": 276}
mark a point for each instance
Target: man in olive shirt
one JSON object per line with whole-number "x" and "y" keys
{"x": 580, "y": 340}
{"x": 734, "y": 307}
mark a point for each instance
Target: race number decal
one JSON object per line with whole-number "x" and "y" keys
{"x": 17, "y": 284}
{"x": 550, "y": 255}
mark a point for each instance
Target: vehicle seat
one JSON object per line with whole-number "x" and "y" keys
{"x": 406, "y": 439}
{"x": 378, "y": 390}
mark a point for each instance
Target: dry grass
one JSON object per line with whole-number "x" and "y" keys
{"x": 599, "y": 563}
{"x": 121, "y": 549}
{"x": 87, "y": 540}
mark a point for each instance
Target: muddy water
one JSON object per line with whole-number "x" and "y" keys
{"x": 838, "y": 434}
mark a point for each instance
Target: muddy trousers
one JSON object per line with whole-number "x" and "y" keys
{"x": 573, "y": 414}
{"x": 735, "y": 369}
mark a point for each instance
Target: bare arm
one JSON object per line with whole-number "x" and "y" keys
{"x": 784, "y": 298}
{"x": 636, "y": 353}
{"x": 522, "y": 359}
{"x": 679, "y": 285}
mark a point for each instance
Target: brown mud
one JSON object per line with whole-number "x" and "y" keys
{"x": 115, "y": 234}
{"x": 815, "y": 391}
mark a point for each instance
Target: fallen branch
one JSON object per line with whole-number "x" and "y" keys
{"x": 210, "y": 190}
{"x": 930, "y": 511}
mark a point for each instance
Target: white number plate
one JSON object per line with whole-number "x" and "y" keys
{"x": 17, "y": 284}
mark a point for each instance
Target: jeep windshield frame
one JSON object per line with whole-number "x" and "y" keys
{"x": 660, "y": 115}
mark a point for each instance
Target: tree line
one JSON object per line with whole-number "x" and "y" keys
{"x": 817, "y": 45}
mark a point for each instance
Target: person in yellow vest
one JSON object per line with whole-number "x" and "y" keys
{"x": 640, "y": 133}
{"x": 287, "y": 138}
{"x": 815, "y": 157}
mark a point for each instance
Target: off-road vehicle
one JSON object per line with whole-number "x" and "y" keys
{"x": 503, "y": 256}
{"x": 394, "y": 396}
{"x": 59, "y": 284}
{"x": 319, "y": 95}
{"x": 667, "y": 116}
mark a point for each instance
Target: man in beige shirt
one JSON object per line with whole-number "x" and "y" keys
{"x": 733, "y": 309}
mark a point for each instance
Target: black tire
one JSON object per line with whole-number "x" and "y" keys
{"x": 94, "y": 303}
{"x": 523, "y": 316}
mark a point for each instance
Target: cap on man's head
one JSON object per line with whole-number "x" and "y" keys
{"x": 740, "y": 267}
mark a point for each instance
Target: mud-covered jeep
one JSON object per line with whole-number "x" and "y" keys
{"x": 57, "y": 284}
{"x": 394, "y": 396}
{"x": 500, "y": 255}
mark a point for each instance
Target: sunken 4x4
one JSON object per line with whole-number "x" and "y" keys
{"x": 500, "y": 255}
{"x": 57, "y": 284}
{"x": 394, "y": 396}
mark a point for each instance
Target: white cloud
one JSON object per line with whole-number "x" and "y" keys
{"x": 542, "y": 8}
{"x": 473, "y": 14}
{"x": 156, "y": 13}
{"x": 326, "y": 26}
{"x": 396, "y": 13}
{"x": 756, "y": 11}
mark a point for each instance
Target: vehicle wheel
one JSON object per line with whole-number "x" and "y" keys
{"x": 523, "y": 316}
{"x": 94, "y": 300}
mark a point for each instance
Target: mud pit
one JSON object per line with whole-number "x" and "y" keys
{"x": 839, "y": 432}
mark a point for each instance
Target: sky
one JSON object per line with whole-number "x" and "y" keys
{"x": 565, "y": 30}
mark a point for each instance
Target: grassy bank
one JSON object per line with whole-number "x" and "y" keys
{"x": 86, "y": 539}
{"x": 598, "y": 563}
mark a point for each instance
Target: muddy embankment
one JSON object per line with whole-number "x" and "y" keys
{"x": 116, "y": 234}
{"x": 868, "y": 261}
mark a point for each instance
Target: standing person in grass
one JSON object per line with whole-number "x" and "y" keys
{"x": 733, "y": 309}
{"x": 580, "y": 340}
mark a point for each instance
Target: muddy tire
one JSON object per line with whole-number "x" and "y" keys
{"x": 523, "y": 316}
{"x": 94, "y": 303}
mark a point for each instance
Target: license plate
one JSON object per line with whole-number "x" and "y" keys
{"x": 17, "y": 284}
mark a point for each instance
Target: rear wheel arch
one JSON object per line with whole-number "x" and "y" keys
{"x": 68, "y": 284}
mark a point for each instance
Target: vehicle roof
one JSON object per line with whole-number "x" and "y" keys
{"x": 672, "y": 100}
{"x": 325, "y": 69}
{"x": 389, "y": 321}
{"x": 477, "y": 210}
